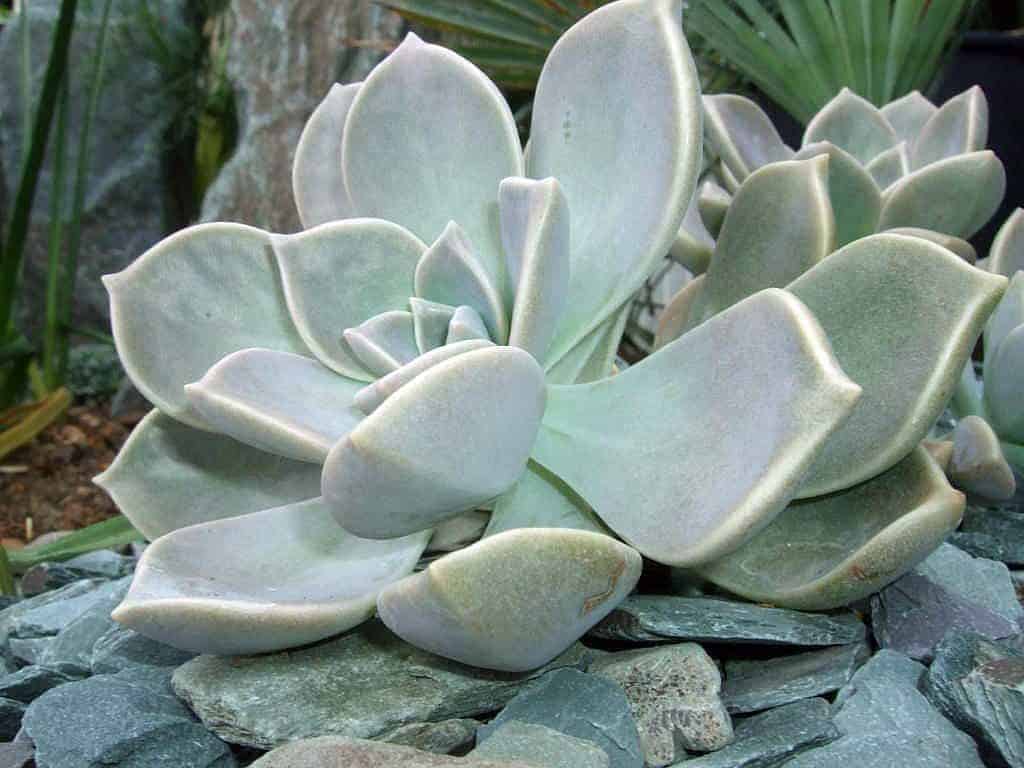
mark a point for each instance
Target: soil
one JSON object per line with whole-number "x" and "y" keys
{"x": 47, "y": 486}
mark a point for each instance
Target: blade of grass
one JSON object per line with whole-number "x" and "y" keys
{"x": 54, "y": 267}
{"x": 851, "y": 37}
{"x": 876, "y": 30}
{"x": 109, "y": 534}
{"x": 816, "y": 42}
{"x": 473, "y": 19}
{"x": 536, "y": 12}
{"x": 934, "y": 29}
{"x": 34, "y": 421}
{"x": 7, "y": 586}
{"x": 904, "y": 26}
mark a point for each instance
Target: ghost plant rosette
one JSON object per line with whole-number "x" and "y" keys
{"x": 440, "y": 341}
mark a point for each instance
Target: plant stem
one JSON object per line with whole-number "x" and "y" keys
{"x": 51, "y": 327}
{"x": 6, "y": 577}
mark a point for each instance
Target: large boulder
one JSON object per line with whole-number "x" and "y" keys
{"x": 283, "y": 59}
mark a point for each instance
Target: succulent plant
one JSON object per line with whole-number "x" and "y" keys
{"x": 999, "y": 396}
{"x": 909, "y": 164}
{"x": 437, "y": 346}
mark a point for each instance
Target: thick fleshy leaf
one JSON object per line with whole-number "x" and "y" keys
{"x": 466, "y": 324}
{"x": 593, "y": 358}
{"x": 675, "y": 319}
{"x": 759, "y": 377}
{"x": 713, "y": 203}
{"x": 457, "y": 532}
{"x": 620, "y": 86}
{"x": 264, "y": 581}
{"x": 514, "y": 601}
{"x": 958, "y": 127}
{"x": 339, "y": 275}
{"x": 855, "y": 197}
{"x": 853, "y": 124}
{"x": 1003, "y": 403}
{"x": 726, "y": 179}
{"x": 385, "y": 342}
{"x": 451, "y": 273}
{"x": 693, "y": 246}
{"x": 940, "y": 450}
{"x": 1007, "y": 316}
{"x": 168, "y": 476}
{"x": 961, "y": 248}
{"x": 831, "y": 551}
{"x": 742, "y": 134}
{"x": 779, "y": 225}
{"x": 956, "y": 196}
{"x": 370, "y": 397}
{"x": 189, "y": 301}
{"x": 317, "y": 180}
{"x": 902, "y": 315}
{"x": 907, "y": 115}
{"x": 281, "y": 403}
{"x": 535, "y": 233}
{"x": 454, "y": 437}
{"x": 890, "y": 166}
{"x": 430, "y": 321}
{"x": 1006, "y": 256}
{"x": 977, "y": 465}
{"x": 541, "y": 500}
{"x": 428, "y": 140}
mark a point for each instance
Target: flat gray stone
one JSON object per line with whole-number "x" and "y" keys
{"x": 751, "y": 686}
{"x": 120, "y": 648}
{"x": 770, "y": 738}
{"x": 345, "y": 752}
{"x": 11, "y": 616}
{"x": 29, "y": 683}
{"x": 674, "y": 694}
{"x": 364, "y": 684}
{"x": 979, "y": 685}
{"x": 540, "y": 746}
{"x": 17, "y": 753}
{"x": 913, "y": 613}
{"x": 49, "y": 619}
{"x": 101, "y": 564}
{"x": 886, "y": 722}
{"x": 131, "y": 720}
{"x": 588, "y": 707}
{"x": 977, "y": 580}
{"x": 11, "y": 714}
{"x": 668, "y": 618}
{"x": 447, "y": 736}
{"x": 997, "y": 534}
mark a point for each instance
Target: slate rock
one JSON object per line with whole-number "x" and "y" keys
{"x": 363, "y": 684}
{"x": 17, "y": 753}
{"x": 997, "y": 534}
{"x": 979, "y": 685}
{"x": 101, "y": 564}
{"x": 665, "y": 618}
{"x": 49, "y": 619}
{"x": 304, "y": 49}
{"x": 540, "y": 746}
{"x": 11, "y": 714}
{"x": 768, "y": 739}
{"x": 588, "y": 707}
{"x": 345, "y": 752}
{"x": 441, "y": 738}
{"x": 120, "y": 648}
{"x": 673, "y": 692}
{"x": 29, "y": 683}
{"x": 751, "y": 686}
{"x": 949, "y": 590}
{"x": 131, "y": 719}
{"x": 885, "y": 721}
{"x": 11, "y": 616}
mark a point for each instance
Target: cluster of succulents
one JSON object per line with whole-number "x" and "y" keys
{"x": 411, "y": 408}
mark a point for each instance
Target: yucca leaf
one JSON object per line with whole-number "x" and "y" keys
{"x": 472, "y": 18}
{"x": 816, "y": 39}
{"x": 109, "y": 534}
{"x": 536, "y": 12}
{"x": 905, "y": 16}
{"x": 876, "y": 30}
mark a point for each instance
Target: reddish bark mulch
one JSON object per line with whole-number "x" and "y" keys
{"x": 46, "y": 485}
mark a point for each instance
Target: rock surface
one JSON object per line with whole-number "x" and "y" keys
{"x": 303, "y": 49}
{"x": 767, "y": 740}
{"x": 364, "y": 684}
{"x": 102, "y": 564}
{"x": 11, "y": 713}
{"x": 540, "y": 746}
{"x": 442, "y": 738}
{"x": 124, "y": 191}
{"x": 29, "y": 683}
{"x": 342, "y": 752}
{"x": 751, "y": 686}
{"x": 673, "y": 692}
{"x": 664, "y": 618}
{"x": 997, "y": 534}
{"x": 131, "y": 719}
{"x": 120, "y": 648}
{"x": 885, "y": 721}
{"x": 588, "y": 707}
{"x": 979, "y": 685}
{"x": 17, "y": 753}
{"x": 975, "y": 579}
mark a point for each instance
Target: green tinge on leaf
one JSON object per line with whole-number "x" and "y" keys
{"x": 902, "y": 315}
{"x": 977, "y": 465}
{"x": 541, "y": 500}
{"x": 958, "y": 127}
{"x": 1006, "y": 256}
{"x": 908, "y": 115}
{"x": 742, "y": 134}
{"x": 834, "y": 550}
{"x": 385, "y": 342}
{"x": 854, "y": 125}
{"x": 1003, "y": 403}
{"x": 856, "y": 198}
{"x": 890, "y": 166}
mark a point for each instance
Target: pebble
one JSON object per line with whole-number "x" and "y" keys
{"x": 540, "y": 746}
{"x": 885, "y": 721}
{"x": 11, "y": 713}
{"x": 751, "y": 686}
{"x": 29, "y": 683}
{"x": 441, "y": 738}
{"x": 665, "y": 618}
{"x": 978, "y": 580}
{"x": 101, "y": 564}
{"x": 997, "y": 534}
{"x": 345, "y": 752}
{"x": 55, "y": 615}
{"x": 585, "y": 706}
{"x": 364, "y": 684}
{"x": 17, "y": 753}
{"x": 770, "y": 738}
{"x": 674, "y": 694}
{"x": 131, "y": 719}
{"x": 120, "y": 648}
{"x": 979, "y": 685}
